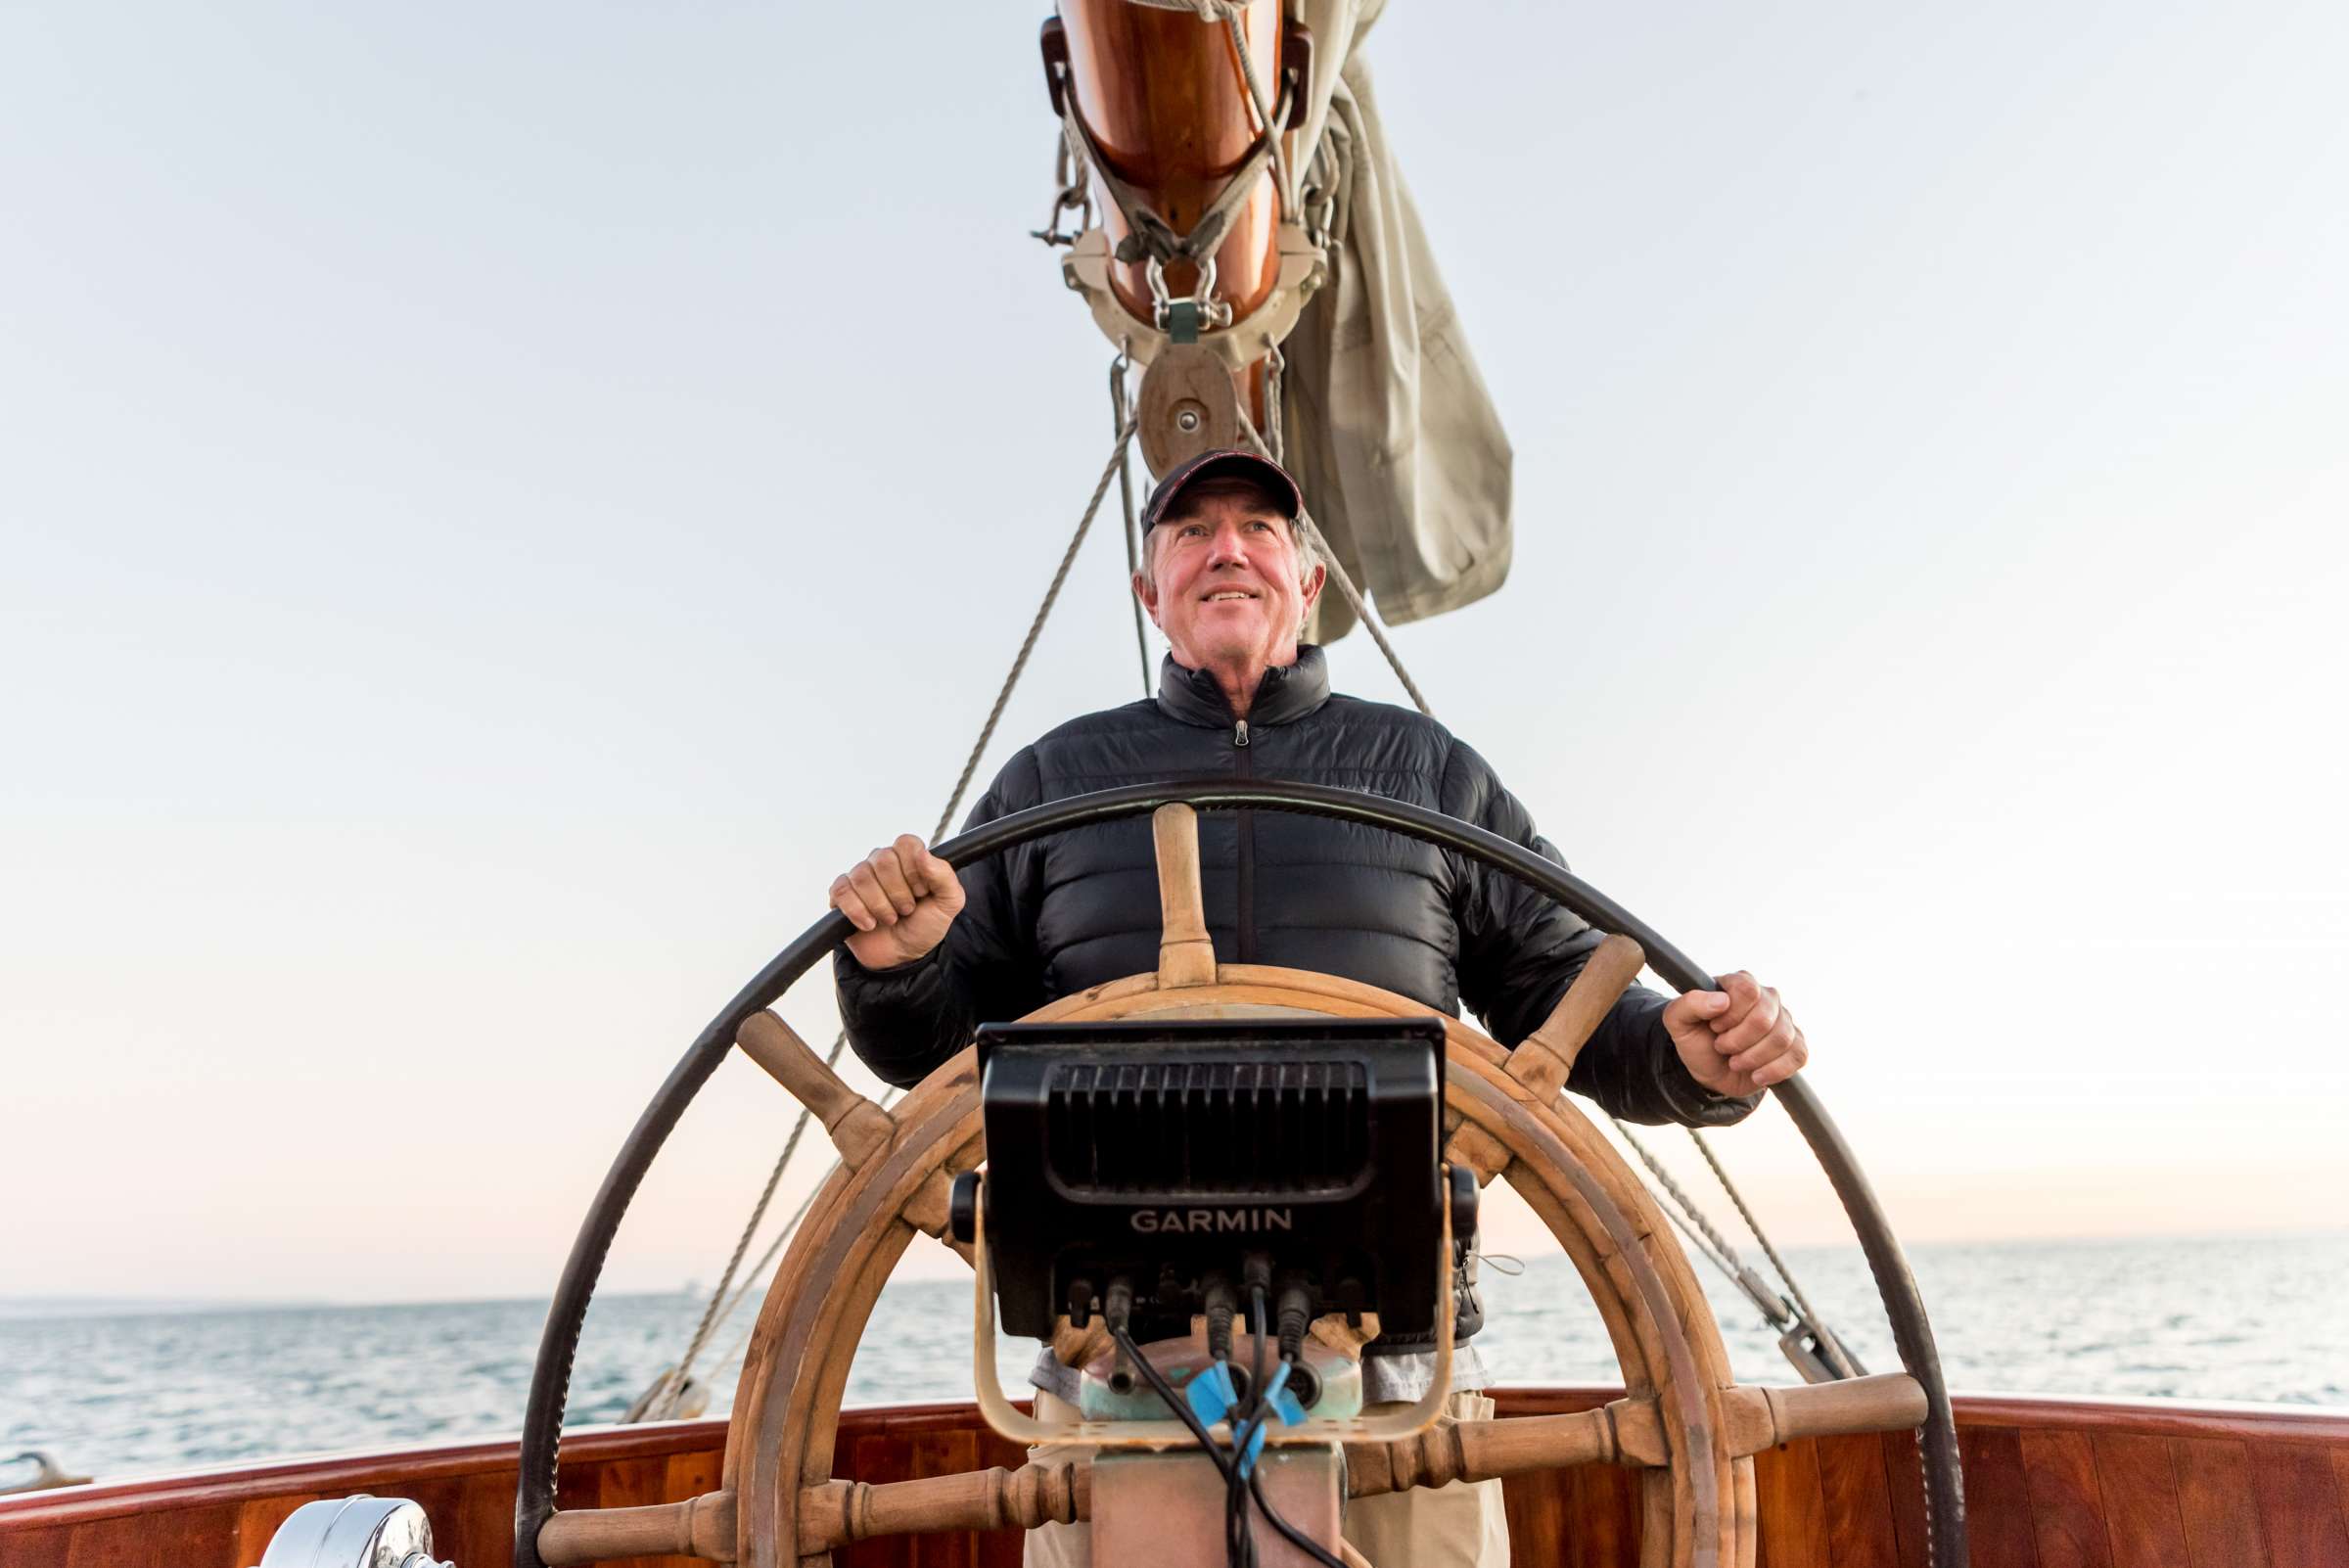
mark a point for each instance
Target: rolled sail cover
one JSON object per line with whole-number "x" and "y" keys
{"x": 1387, "y": 424}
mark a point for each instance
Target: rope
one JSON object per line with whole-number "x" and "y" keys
{"x": 1828, "y": 1342}
{"x": 1337, "y": 570}
{"x": 1698, "y": 1245}
{"x": 1067, "y": 558}
{"x": 1283, "y": 185}
{"x": 671, "y": 1383}
{"x": 1122, "y": 415}
{"x": 1204, "y": 10}
{"x": 1679, "y": 1195}
{"x": 1152, "y": 237}
{"x": 759, "y": 1269}
{"x": 1276, "y": 365}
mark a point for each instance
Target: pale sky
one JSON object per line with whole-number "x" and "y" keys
{"x": 499, "y": 504}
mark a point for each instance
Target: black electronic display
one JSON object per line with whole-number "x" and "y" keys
{"x": 1166, "y": 1156}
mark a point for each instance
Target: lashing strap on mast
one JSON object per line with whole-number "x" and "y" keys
{"x": 1149, "y": 236}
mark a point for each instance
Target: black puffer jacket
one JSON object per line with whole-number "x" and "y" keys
{"x": 1072, "y": 911}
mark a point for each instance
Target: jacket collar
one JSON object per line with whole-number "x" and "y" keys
{"x": 1286, "y": 694}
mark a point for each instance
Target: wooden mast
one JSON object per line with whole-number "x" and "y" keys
{"x": 1164, "y": 99}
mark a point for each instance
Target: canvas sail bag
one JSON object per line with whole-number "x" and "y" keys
{"x": 1387, "y": 424}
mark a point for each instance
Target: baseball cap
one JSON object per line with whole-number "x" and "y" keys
{"x": 1226, "y": 463}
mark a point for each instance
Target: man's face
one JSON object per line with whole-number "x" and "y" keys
{"x": 1227, "y": 589}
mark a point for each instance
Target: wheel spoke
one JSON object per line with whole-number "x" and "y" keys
{"x": 1479, "y": 1451}
{"x": 838, "y": 1512}
{"x": 858, "y": 1126}
{"x": 1185, "y": 955}
{"x": 1759, "y": 1418}
{"x": 928, "y": 1211}
{"x": 700, "y": 1527}
{"x": 1542, "y": 1059}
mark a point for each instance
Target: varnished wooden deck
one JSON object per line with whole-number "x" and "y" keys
{"x": 2049, "y": 1483}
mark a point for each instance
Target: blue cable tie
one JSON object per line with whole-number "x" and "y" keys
{"x": 1253, "y": 1441}
{"x": 1212, "y": 1394}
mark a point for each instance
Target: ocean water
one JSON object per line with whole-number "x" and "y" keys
{"x": 130, "y": 1391}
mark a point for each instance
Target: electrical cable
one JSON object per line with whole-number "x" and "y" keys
{"x": 1239, "y": 1549}
{"x": 1236, "y": 1510}
{"x": 1226, "y": 1467}
{"x": 1289, "y": 1532}
{"x": 1256, "y": 1350}
{"x": 1174, "y": 1401}
{"x": 1244, "y": 1446}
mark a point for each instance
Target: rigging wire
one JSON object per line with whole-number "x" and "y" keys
{"x": 1121, "y": 416}
{"x": 1718, "y": 1244}
{"x": 1699, "y": 1244}
{"x": 1276, "y": 366}
{"x": 1775, "y": 1309}
{"x": 1019, "y": 665}
{"x": 759, "y": 1269}
{"x": 1345, "y": 581}
{"x": 1829, "y": 1344}
{"x": 661, "y": 1399}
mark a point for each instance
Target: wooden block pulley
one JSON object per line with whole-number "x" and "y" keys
{"x": 1188, "y": 405}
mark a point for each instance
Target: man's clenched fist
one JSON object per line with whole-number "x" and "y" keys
{"x": 1738, "y": 1039}
{"x": 900, "y": 898}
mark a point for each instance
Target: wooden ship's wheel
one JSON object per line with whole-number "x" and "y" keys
{"x": 1682, "y": 1422}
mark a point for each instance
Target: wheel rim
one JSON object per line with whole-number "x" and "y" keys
{"x": 551, "y": 1373}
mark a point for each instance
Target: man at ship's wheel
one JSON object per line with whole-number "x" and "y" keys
{"x": 1230, "y": 583}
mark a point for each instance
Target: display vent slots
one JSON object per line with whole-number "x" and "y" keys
{"x": 1209, "y": 1129}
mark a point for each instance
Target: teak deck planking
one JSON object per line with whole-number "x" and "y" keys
{"x": 2049, "y": 1483}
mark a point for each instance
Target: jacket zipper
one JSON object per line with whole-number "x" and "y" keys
{"x": 1244, "y": 829}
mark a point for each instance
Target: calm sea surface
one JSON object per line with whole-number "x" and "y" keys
{"x": 136, "y": 1392}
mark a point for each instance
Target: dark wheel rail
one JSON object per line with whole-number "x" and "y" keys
{"x": 551, "y": 1376}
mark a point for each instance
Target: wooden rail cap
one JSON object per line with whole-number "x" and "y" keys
{"x": 1543, "y": 1058}
{"x": 700, "y": 1527}
{"x": 1185, "y": 954}
{"x": 856, "y": 1124}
